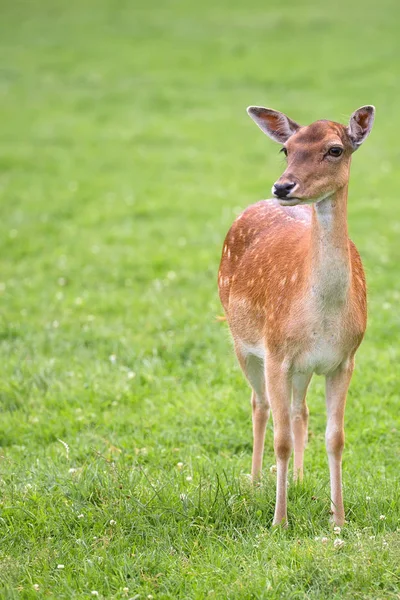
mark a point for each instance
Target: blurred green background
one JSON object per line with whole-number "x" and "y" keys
{"x": 125, "y": 154}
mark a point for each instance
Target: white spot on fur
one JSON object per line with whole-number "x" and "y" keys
{"x": 256, "y": 349}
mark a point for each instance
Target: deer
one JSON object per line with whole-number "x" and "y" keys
{"x": 293, "y": 290}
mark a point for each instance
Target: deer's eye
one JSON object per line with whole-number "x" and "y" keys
{"x": 335, "y": 151}
{"x": 283, "y": 150}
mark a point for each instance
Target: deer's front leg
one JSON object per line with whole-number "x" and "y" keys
{"x": 337, "y": 385}
{"x": 279, "y": 388}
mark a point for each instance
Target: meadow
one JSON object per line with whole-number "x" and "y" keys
{"x": 125, "y": 429}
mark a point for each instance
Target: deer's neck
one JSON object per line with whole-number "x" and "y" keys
{"x": 329, "y": 250}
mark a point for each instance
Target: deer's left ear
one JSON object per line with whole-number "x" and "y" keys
{"x": 360, "y": 125}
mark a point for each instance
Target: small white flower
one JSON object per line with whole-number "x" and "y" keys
{"x": 324, "y": 540}
{"x": 36, "y": 587}
{"x": 338, "y": 543}
{"x": 179, "y": 465}
{"x": 60, "y": 566}
{"x": 371, "y": 537}
{"x": 273, "y": 469}
{"x": 81, "y": 516}
{"x": 385, "y": 544}
{"x": 131, "y": 374}
{"x": 95, "y": 593}
{"x": 316, "y": 539}
{"x": 368, "y": 498}
{"x": 183, "y": 497}
{"x": 72, "y": 470}
{"x": 189, "y": 478}
{"x": 112, "y": 522}
{"x": 382, "y": 517}
{"x": 150, "y": 596}
{"x": 112, "y": 358}
{"x": 125, "y": 589}
{"x": 336, "y": 530}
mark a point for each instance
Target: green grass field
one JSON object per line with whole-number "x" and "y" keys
{"x": 125, "y": 431}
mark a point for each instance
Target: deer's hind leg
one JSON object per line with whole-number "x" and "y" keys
{"x": 299, "y": 421}
{"x": 254, "y": 369}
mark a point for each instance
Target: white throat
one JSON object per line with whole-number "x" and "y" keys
{"x": 330, "y": 260}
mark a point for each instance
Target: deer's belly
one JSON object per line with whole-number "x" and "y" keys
{"x": 321, "y": 355}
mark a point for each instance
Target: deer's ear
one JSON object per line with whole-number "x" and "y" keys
{"x": 360, "y": 125}
{"x": 274, "y": 123}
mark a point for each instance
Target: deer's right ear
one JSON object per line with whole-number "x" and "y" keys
{"x": 274, "y": 123}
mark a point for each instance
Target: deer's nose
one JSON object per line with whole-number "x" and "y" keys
{"x": 282, "y": 190}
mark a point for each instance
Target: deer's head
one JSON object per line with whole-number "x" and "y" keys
{"x": 318, "y": 155}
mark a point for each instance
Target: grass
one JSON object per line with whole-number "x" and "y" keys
{"x": 125, "y": 153}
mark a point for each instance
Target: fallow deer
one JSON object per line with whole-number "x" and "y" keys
{"x": 293, "y": 290}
